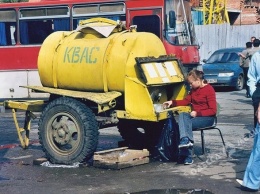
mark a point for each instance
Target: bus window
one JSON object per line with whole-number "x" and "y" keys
{"x": 112, "y": 8}
{"x": 149, "y": 23}
{"x": 7, "y": 27}
{"x": 37, "y": 23}
{"x": 34, "y": 32}
{"x": 61, "y": 24}
{"x": 114, "y": 11}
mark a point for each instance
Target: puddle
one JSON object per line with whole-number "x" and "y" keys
{"x": 3, "y": 179}
{"x": 174, "y": 191}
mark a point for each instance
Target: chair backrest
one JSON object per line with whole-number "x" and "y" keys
{"x": 215, "y": 122}
{"x": 218, "y": 109}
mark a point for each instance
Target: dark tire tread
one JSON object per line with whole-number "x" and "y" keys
{"x": 89, "y": 125}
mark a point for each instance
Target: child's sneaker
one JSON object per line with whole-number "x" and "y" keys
{"x": 185, "y": 143}
{"x": 188, "y": 160}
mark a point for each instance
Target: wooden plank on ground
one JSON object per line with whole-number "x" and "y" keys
{"x": 120, "y": 158}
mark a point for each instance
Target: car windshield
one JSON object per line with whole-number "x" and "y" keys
{"x": 223, "y": 57}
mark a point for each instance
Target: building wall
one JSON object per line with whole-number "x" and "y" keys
{"x": 216, "y": 36}
{"x": 247, "y": 12}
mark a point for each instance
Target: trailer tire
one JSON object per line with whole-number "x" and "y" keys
{"x": 140, "y": 134}
{"x": 68, "y": 131}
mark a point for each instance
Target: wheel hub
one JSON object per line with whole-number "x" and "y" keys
{"x": 61, "y": 134}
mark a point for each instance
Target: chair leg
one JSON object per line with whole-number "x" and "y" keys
{"x": 223, "y": 141}
{"x": 202, "y": 142}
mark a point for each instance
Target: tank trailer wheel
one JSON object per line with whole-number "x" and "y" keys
{"x": 68, "y": 131}
{"x": 140, "y": 134}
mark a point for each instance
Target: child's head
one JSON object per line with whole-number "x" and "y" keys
{"x": 195, "y": 78}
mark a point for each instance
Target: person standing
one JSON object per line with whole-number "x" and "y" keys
{"x": 251, "y": 179}
{"x": 256, "y": 45}
{"x": 245, "y": 57}
{"x": 254, "y": 81}
{"x": 202, "y": 98}
{"x": 252, "y": 39}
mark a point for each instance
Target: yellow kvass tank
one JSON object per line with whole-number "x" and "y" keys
{"x": 103, "y": 70}
{"x": 87, "y": 60}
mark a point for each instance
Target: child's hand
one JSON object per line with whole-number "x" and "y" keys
{"x": 193, "y": 113}
{"x": 167, "y": 104}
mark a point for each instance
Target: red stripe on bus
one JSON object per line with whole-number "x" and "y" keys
{"x": 18, "y": 57}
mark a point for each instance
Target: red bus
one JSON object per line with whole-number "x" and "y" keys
{"x": 24, "y": 26}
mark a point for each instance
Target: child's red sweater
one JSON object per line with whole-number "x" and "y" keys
{"x": 202, "y": 100}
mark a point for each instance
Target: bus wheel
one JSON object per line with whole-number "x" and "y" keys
{"x": 140, "y": 134}
{"x": 68, "y": 131}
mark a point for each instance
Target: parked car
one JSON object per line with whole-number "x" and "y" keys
{"x": 223, "y": 69}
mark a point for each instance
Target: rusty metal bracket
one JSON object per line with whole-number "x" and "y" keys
{"x": 28, "y": 107}
{"x": 24, "y": 133}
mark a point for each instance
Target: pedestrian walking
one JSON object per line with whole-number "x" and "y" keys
{"x": 254, "y": 81}
{"x": 245, "y": 57}
{"x": 251, "y": 180}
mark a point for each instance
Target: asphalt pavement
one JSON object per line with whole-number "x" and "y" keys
{"x": 213, "y": 173}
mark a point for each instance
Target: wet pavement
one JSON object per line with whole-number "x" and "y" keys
{"x": 214, "y": 173}
{"x": 174, "y": 191}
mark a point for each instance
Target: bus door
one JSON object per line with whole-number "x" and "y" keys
{"x": 146, "y": 20}
{"x": 179, "y": 33}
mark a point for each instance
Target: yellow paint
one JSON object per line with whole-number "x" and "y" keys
{"x": 75, "y": 61}
{"x": 215, "y": 12}
{"x": 88, "y": 65}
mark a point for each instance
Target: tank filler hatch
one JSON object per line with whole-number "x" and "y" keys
{"x": 103, "y": 26}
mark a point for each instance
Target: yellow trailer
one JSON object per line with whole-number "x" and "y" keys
{"x": 103, "y": 70}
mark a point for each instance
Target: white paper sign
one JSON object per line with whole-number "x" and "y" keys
{"x": 150, "y": 69}
{"x": 170, "y": 68}
{"x": 160, "y": 70}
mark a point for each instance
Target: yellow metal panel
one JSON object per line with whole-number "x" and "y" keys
{"x": 31, "y": 105}
{"x": 180, "y": 92}
{"x": 99, "y": 98}
{"x": 159, "y": 115}
{"x": 138, "y": 103}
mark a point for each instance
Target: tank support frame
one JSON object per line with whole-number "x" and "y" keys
{"x": 29, "y": 107}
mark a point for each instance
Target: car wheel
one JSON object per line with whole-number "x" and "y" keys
{"x": 240, "y": 83}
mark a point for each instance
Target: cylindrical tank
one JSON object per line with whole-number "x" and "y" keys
{"x": 87, "y": 61}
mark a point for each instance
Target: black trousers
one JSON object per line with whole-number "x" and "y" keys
{"x": 256, "y": 100}
{"x": 245, "y": 69}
